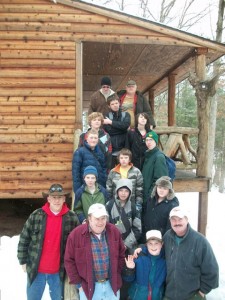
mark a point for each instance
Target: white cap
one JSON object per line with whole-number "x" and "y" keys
{"x": 153, "y": 235}
{"x": 97, "y": 210}
{"x": 178, "y": 212}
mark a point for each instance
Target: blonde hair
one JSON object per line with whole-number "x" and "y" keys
{"x": 95, "y": 115}
{"x": 91, "y": 131}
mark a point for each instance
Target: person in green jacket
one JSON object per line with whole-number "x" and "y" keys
{"x": 89, "y": 193}
{"x": 154, "y": 164}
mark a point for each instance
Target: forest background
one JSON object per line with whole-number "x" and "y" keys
{"x": 206, "y": 19}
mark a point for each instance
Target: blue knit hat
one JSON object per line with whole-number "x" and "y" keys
{"x": 90, "y": 170}
{"x": 153, "y": 135}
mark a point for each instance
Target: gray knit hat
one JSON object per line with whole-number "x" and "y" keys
{"x": 165, "y": 182}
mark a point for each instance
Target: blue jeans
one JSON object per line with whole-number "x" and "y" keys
{"x": 36, "y": 289}
{"x": 103, "y": 291}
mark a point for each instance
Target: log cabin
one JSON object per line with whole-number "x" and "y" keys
{"x": 53, "y": 56}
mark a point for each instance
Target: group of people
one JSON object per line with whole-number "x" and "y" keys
{"x": 126, "y": 236}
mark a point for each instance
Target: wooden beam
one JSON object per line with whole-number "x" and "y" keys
{"x": 171, "y": 99}
{"x": 200, "y": 64}
{"x": 152, "y": 101}
{"x": 196, "y": 184}
{"x": 203, "y": 212}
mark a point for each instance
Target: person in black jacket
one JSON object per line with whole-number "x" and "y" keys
{"x": 135, "y": 140}
{"x": 116, "y": 123}
{"x": 159, "y": 205}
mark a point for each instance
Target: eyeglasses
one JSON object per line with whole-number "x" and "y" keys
{"x": 105, "y": 86}
{"x": 55, "y": 188}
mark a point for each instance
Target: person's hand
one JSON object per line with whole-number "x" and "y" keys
{"x": 130, "y": 262}
{"x": 136, "y": 252}
{"x": 24, "y": 267}
{"x": 107, "y": 121}
{"x": 201, "y": 294}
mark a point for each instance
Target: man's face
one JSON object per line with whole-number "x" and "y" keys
{"x": 124, "y": 160}
{"x": 162, "y": 191}
{"x": 92, "y": 140}
{"x": 150, "y": 143}
{"x": 90, "y": 180}
{"x": 105, "y": 89}
{"x": 123, "y": 194}
{"x": 179, "y": 225}
{"x": 131, "y": 89}
{"x": 56, "y": 203}
{"x": 114, "y": 105}
{"x": 154, "y": 247}
{"x": 96, "y": 123}
{"x": 97, "y": 224}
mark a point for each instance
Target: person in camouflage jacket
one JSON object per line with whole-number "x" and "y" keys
{"x": 45, "y": 231}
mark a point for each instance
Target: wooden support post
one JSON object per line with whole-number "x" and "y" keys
{"x": 202, "y": 212}
{"x": 171, "y": 100}
{"x": 152, "y": 101}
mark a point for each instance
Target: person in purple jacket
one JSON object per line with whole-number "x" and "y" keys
{"x": 95, "y": 256}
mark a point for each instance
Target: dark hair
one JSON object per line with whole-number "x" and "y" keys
{"x": 145, "y": 115}
{"x": 110, "y": 99}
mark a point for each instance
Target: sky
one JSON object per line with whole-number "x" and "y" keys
{"x": 13, "y": 279}
{"x": 206, "y": 27}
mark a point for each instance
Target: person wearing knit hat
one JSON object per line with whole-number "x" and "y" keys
{"x": 159, "y": 205}
{"x": 89, "y": 193}
{"x": 154, "y": 165}
{"x": 98, "y": 101}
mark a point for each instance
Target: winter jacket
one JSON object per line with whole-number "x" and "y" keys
{"x": 136, "y": 143}
{"x": 84, "y": 199}
{"x": 79, "y": 262}
{"x": 156, "y": 215}
{"x": 132, "y": 233}
{"x": 84, "y": 157}
{"x": 118, "y": 129}
{"x": 32, "y": 236}
{"x": 98, "y": 103}
{"x": 140, "y": 105}
{"x": 191, "y": 265}
{"x": 134, "y": 174}
{"x": 145, "y": 265}
{"x": 104, "y": 144}
{"x": 154, "y": 167}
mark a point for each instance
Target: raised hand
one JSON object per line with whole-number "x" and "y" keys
{"x": 130, "y": 262}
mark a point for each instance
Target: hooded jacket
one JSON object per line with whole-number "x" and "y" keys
{"x": 140, "y": 105}
{"x": 134, "y": 174}
{"x": 191, "y": 265}
{"x": 32, "y": 236}
{"x": 114, "y": 209}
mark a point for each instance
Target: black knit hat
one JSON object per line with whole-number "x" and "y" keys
{"x": 106, "y": 81}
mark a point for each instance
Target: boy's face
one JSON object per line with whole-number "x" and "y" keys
{"x": 114, "y": 105}
{"x": 90, "y": 180}
{"x": 123, "y": 194}
{"x": 124, "y": 160}
{"x": 56, "y": 203}
{"x": 96, "y": 123}
{"x": 92, "y": 140}
{"x": 162, "y": 191}
{"x": 150, "y": 143}
{"x": 154, "y": 247}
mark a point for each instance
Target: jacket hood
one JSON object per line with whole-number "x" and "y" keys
{"x": 170, "y": 196}
{"x": 124, "y": 183}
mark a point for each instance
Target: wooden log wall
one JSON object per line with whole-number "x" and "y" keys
{"x": 37, "y": 101}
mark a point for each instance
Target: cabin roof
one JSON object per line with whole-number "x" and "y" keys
{"x": 149, "y": 60}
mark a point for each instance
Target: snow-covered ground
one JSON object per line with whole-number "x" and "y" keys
{"x": 13, "y": 279}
